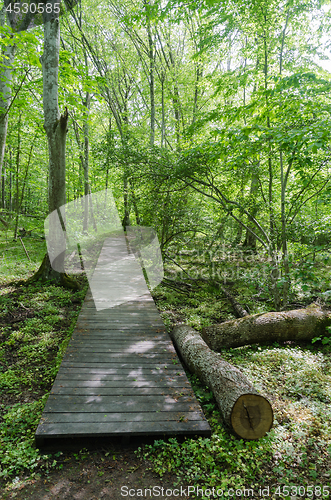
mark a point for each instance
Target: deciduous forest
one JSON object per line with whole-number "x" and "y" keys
{"x": 209, "y": 121}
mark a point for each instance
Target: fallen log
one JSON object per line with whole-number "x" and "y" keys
{"x": 299, "y": 324}
{"x": 238, "y": 308}
{"x": 5, "y": 223}
{"x": 243, "y": 409}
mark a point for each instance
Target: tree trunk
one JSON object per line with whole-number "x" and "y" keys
{"x": 5, "y": 93}
{"x": 86, "y": 156}
{"x": 244, "y": 410}
{"x": 162, "y": 111}
{"x": 151, "y": 73}
{"x": 299, "y": 324}
{"x": 238, "y": 308}
{"x": 134, "y": 202}
{"x": 20, "y": 199}
{"x": 175, "y": 97}
{"x": 55, "y": 126}
{"x": 285, "y": 259}
{"x": 3, "y": 183}
{"x": 250, "y": 240}
{"x": 18, "y": 155}
{"x": 126, "y": 218}
{"x": 10, "y": 189}
{"x": 47, "y": 273}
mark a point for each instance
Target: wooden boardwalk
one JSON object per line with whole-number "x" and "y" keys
{"x": 120, "y": 376}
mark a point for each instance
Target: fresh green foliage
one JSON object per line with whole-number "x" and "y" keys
{"x": 36, "y": 322}
{"x": 324, "y": 340}
{"x": 221, "y": 460}
{"x": 17, "y": 451}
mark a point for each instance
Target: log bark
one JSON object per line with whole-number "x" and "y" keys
{"x": 243, "y": 409}
{"x": 299, "y": 324}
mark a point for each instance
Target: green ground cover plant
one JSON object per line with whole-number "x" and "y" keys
{"x": 36, "y": 322}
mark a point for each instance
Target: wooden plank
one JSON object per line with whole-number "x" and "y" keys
{"x": 161, "y": 384}
{"x": 121, "y": 319}
{"x": 128, "y": 347}
{"x": 116, "y": 345}
{"x": 125, "y": 350}
{"x": 77, "y": 364}
{"x": 144, "y": 303}
{"x": 157, "y": 381}
{"x": 62, "y": 404}
{"x": 103, "y": 390}
{"x": 120, "y": 314}
{"x": 124, "y": 428}
{"x": 107, "y": 336}
{"x": 114, "y": 324}
{"x": 125, "y": 317}
{"x": 118, "y": 388}
{"x": 104, "y": 358}
{"x": 126, "y": 307}
{"x": 71, "y": 368}
{"x": 86, "y": 417}
{"x": 120, "y": 400}
{"x": 125, "y": 373}
{"x": 124, "y": 336}
{"x": 106, "y": 333}
{"x": 126, "y": 377}
{"x": 147, "y": 334}
{"x": 135, "y": 329}
{"x": 80, "y": 374}
{"x": 121, "y": 343}
{"x": 117, "y": 337}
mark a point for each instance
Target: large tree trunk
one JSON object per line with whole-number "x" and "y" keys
{"x": 47, "y": 273}
{"x": 299, "y": 324}
{"x": 244, "y": 410}
{"x": 55, "y": 126}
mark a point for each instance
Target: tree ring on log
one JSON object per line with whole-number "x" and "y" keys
{"x": 251, "y": 416}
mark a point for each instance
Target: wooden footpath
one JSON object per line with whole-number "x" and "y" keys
{"x": 120, "y": 376}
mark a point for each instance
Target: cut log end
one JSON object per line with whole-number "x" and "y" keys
{"x": 251, "y": 416}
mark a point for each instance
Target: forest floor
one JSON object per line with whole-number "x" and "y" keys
{"x": 93, "y": 475}
{"x": 36, "y": 322}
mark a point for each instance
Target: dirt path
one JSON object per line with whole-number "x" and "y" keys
{"x": 102, "y": 475}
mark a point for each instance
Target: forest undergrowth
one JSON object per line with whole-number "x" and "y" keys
{"x": 36, "y": 322}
